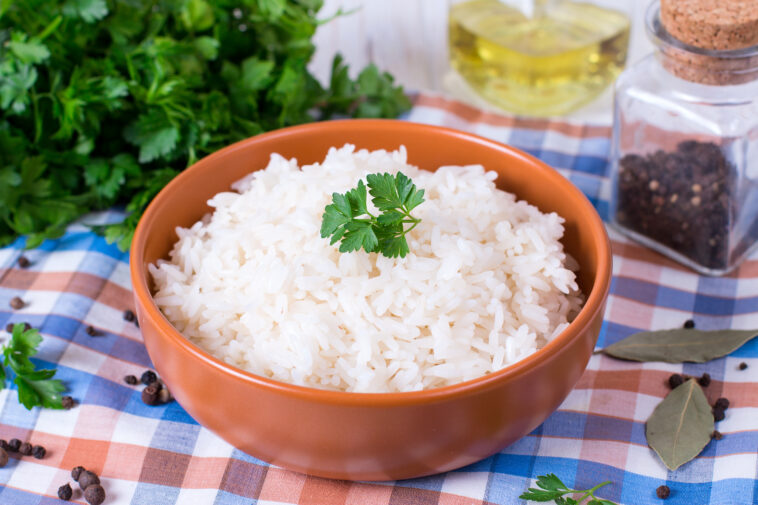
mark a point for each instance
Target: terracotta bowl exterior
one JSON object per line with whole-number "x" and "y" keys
{"x": 360, "y": 436}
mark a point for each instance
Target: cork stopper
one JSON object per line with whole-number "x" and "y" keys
{"x": 712, "y": 24}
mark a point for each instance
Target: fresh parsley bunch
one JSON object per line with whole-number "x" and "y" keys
{"x": 395, "y": 196}
{"x": 103, "y": 102}
{"x": 35, "y": 387}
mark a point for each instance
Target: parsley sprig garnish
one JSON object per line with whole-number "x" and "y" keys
{"x": 552, "y": 489}
{"x": 348, "y": 221}
{"x": 35, "y": 387}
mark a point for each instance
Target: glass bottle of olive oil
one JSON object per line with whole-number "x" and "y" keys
{"x": 546, "y": 60}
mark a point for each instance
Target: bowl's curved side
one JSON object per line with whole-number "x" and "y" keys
{"x": 371, "y": 437}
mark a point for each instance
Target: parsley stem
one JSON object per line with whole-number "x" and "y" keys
{"x": 591, "y": 491}
{"x": 50, "y": 28}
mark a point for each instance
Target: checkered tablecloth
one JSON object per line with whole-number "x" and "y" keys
{"x": 160, "y": 455}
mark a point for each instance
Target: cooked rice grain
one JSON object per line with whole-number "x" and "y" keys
{"x": 486, "y": 282}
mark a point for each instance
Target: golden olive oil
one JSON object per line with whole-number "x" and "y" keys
{"x": 558, "y": 59}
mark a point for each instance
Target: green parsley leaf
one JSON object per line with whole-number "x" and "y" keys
{"x": 35, "y": 387}
{"x": 344, "y": 220}
{"x": 551, "y": 488}
{"x": 89, "y": 10}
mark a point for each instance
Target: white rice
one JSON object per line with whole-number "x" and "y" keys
{"x": 485, "y": 284}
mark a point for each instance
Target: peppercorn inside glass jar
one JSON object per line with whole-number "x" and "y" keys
{"x": 684, "y": 155}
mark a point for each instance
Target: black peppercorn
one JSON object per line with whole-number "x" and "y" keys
{"x": 23, "y": 261}
{"x": 14, "y": 444}
{"x": 94, "y": 494}
{"x": 689, "y": 324}
{"x": 25, "y": 449}
{"x": 689, "y": 188}
{"x": 129, "y": 315}
{"x": 3, "y": 458}
{"x": 17, "y": 303}
{"x": 675, "y": 380}
{"x": 131, "y": 380}
{"x": 38, "y": 452}
{"x": 705, "y": 380}
{"x": 717, "y": 435}
{"x": 148, "y": 377}
{"x": 742, "y": 366}
{"x": 91, "y": 331}
{"x": 9, "y": 327}
{"x": 67, "y": 402}
{"x": 65, "y": 492}
{"x": 76, "y": 472}
{"x": 721, "y": 403}
{"x": 87, "y": 479}
{"x": 718, "y": 415}
{"x": 663, "y": 492}
{"x": 150, "y": 395}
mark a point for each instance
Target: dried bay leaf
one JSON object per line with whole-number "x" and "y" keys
{"x": 681, "y": 425}
{"x": 679, "y": 345}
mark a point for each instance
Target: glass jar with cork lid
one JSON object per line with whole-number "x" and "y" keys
{"x": 684, "y": 153}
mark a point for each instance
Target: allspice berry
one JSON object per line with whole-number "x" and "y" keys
{"x": 25, "y": 449}
{"x": 67, "y": 402}
{"x": 94, "y": 494}
{"x": 65, "y": 492}
{"x": 3, "y": 457}
{"x": 76, "y": 472}
{"x": 87, "y": 479}
{"x": 150, "y": 395}
{"x": 663, "y": 492}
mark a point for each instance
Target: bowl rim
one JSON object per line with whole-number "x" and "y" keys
{"x": 592, "y": 305}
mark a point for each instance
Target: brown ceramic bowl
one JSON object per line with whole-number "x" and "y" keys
{"x": 364, "y": 436}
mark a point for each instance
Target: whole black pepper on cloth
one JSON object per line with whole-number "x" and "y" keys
{"x": 38, "y": 452}
{"x": 14, "y": 444}
{"x": 675, "y": 380}
{"x": 23, "y": 261}
{"x": 705, "y": 380}
{"x": 689, "y": 324}
{"x": 91, "y": 331}
{"x": 718, "y": 415}
{"x": 129, "y": 315}
{"x": 721, "y": 403}
{"x": 148, "y": 377}
{"x": 131, "y": 380}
